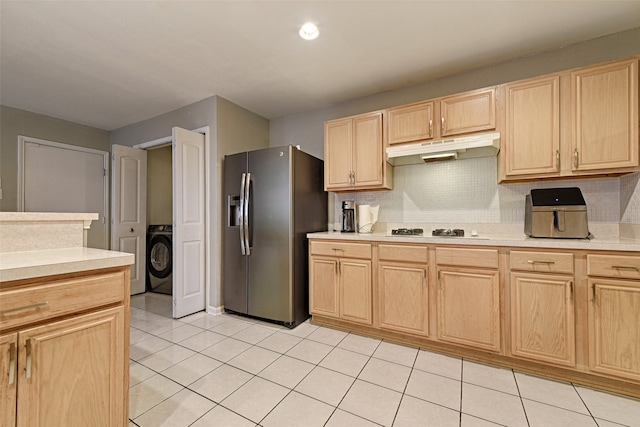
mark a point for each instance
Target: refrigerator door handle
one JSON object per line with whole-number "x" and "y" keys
{"x": 242, "y": 210}
{"x": 247, "y": 226}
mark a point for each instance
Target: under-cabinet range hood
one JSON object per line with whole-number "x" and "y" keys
{"x": 481, "y": 145}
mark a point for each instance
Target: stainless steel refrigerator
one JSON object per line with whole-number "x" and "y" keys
{"x": 273, "y": 198}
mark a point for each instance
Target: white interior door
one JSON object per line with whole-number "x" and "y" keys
{"x": 56, "y": 177}
{"x": 189, "y": 209}
{"x": 129, "y": 209}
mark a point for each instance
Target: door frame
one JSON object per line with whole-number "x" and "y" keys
{"x": 207, "y": 188}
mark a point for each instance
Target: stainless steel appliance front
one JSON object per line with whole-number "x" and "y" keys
{"x": 274, "y": 197}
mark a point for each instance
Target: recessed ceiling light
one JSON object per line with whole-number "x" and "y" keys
{"x": 309, "y": 31}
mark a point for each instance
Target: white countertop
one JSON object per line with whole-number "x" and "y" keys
{"x": 609, "y": 244}
{"x": 46, "y": 216}
{"x": 31, "y": 264}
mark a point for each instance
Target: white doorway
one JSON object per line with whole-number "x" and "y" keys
{"x": 190, "y": 194}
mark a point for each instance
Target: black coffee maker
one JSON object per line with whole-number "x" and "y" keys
{"x": 348, "y": 216}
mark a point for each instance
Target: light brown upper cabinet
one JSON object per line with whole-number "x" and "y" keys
{"x": 464, "y": 113}
{"x": 413, "y": 122}
{"x": 469, "y": 112}
{"x": 580, "y": 122}
{"x": 605, "y": 116}
{"x": 354, "y": 157}
{"x": 531, "y": 142}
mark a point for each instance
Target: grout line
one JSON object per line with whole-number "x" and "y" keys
{"x": 515, "y": 379}
{"x": 309, "y": 338}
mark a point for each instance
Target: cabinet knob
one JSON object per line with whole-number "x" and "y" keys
{"x": 131, "y": 230}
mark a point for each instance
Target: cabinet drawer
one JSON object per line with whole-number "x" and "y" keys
{"x": 467, "y": 257}
{"x": 627, "y": 267}
{"x": 552, "y": 262}
{"x": 29, "y": 304}
{"x": 341, "y": 249}
{"x": 403, "y": 253}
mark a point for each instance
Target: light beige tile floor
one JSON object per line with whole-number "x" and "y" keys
{"x": 226, "y": 370}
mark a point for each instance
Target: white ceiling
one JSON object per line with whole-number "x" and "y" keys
{"x": 108, "y": 64}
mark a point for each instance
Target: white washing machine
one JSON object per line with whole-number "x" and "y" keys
{"x": 160, "y": 259}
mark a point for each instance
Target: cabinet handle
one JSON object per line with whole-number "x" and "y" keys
{"x": 558, "y": 159}
{"x": 12, "y": 362}
{"x": 26, "y": 307}
{"x": 534, "y": 261}
{"x": 424, "y": 278}
{"x": 29, "y": 350}
{"x": 626, "y": 267}
{"x": 339, "y": 268}
{"x": 575, "y": 157}
{"x": 593, "y": 293}
{"x": 430, "y": 128}
{"x": 439, "y": 281}
{"x": 571, "y": 290}
{"x": 441, "y": 126}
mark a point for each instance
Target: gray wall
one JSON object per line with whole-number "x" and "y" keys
{"x": 14, "y": 123}
{"x": 232, "y": 129}
{"x": 307, "y": 128}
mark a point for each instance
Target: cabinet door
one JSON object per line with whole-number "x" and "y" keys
{"x": 471, "y": 112}
{"x": 355, "y": 290}
{"x": 323, "y": 286}
{"x": 337, "y": 154}
{"x": 72, "y": 372}
{"x": 410, "y": 123}
{"x": 469, "y": 308}
{"x": 532, "y": 140}
{"x": 542, "y": 318}
{"x": 403, "y": 298}
{"x": 368, "y": 151}
{"x": 605, "y": 116}
{"x": 614, "y": 328}
{"x": 8, "y": 378}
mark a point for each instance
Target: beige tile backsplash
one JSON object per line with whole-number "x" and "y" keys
{"x": 467, "y": 192}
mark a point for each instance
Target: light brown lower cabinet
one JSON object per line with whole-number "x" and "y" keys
{"x": 8, "y": 381}
{"x": 542, "y": 318}
{"x": 403, "y": 292}
{"x": 340, "y": 286}
{"x": 614, "y": 327}
{"x": 469, "y": 307}
{"x": 569, "y": 315}
{"x": 66, "y": 370}
{"x": 355, "y": 290}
